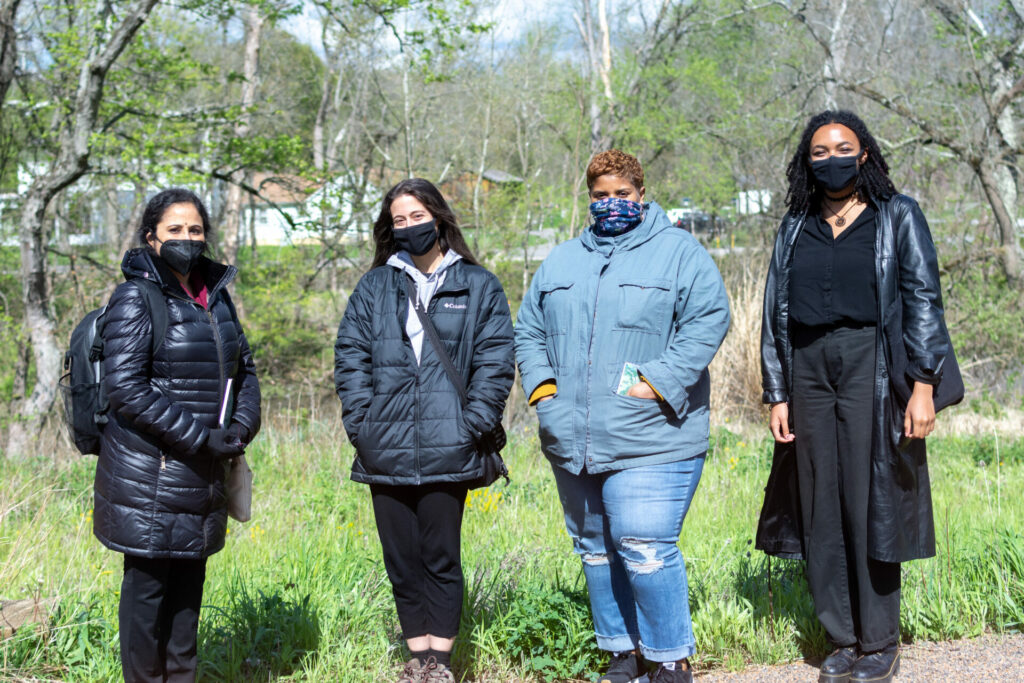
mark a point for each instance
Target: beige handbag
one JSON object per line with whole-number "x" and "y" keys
{"x": 239, "y": 490}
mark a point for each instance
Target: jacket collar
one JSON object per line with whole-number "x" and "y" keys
{"x": 142, "y": 262}
{"x": 654, "y": 222}
{"x": 451, "y": 266}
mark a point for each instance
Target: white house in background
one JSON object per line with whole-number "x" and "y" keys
{"x": 316, "y": 212}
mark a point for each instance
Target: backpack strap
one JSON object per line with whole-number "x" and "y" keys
{"x": 431, "y": 333}
{"x": 157, "y": 305}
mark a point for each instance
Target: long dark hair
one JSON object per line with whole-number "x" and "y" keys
{"x": 448, "y": 234}
{"x": 873, "y": 181}
{"x": 158, "y": 205}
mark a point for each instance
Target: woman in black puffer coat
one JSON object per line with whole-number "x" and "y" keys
{"x": 159, "y": 492}
{"x": 415, "y": 442}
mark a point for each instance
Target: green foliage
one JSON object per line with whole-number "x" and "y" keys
{"x": 550, "y": 632}
{"x": 300, "y": 593}
{"x": 258, "y": 636}
{"x": 290, "y": 324}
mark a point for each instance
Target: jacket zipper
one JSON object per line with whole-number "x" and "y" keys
{"x": 590, "y": 354}
{"x": 416, "y": 405}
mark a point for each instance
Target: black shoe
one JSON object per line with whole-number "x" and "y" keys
{"x": 676, "y": 675}
{"x": 624, "y": 668}
{"x": 877, "y": 667}
{"x": 837, "y": 666}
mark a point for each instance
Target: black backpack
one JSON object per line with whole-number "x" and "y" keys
{"x": 85, "y": 401}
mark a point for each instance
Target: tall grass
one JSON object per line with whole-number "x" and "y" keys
{"x": 300, "y": 592}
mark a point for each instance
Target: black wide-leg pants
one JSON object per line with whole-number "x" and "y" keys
{"x": 159, "y": 619}
{"x": 856, "y": 598}
{"x": 420, "y": 529}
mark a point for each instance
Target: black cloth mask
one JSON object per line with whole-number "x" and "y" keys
{"x": 182, "y": 256}
{"x": 416, "y": 239}
{"x": 836, "y": 172}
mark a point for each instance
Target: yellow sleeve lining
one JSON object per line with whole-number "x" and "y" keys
{"x": 656, "y": 392}
{"x": 546, "y": 388}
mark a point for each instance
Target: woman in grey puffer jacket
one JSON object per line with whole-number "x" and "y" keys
{"x": 159, "y": 491}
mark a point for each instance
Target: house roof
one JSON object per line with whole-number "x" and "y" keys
{"x": 283, "y": 188}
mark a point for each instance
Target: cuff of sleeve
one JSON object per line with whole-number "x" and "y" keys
{"x": 774, "y": 396}
{"x": 918, "y": 376}
{"x": 546, "y": 388}
{"x": 648, "y": 383}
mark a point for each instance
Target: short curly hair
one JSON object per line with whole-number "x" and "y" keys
{"x": 616, "y": 163}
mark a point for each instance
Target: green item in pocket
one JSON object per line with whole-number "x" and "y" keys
{"x": 630, "y": 376}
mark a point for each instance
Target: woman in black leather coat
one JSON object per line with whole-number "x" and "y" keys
{"x": 852, "y": 258}
{"x": 159, "y": 491}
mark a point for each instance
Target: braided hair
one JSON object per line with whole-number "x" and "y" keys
{"x": 873, "y": 181}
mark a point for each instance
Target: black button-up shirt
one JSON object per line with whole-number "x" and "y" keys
{"x": 833, "y": 279}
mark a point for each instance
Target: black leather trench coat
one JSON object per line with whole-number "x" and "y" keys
{"x": 900, "y": 523}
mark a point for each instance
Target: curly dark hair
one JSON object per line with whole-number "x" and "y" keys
{"x": 156, "y": 207}
{"x": 448, "y": 234}
{"x": 616, "y": 163}
{"x": 804, "y": 193}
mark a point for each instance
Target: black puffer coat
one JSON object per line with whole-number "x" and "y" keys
{"x": 900, "y": 524}
{"x": 406, "y": 420}
{"x": 155, "y": 495}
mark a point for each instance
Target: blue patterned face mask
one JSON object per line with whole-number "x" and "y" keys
{"x": 615, "y": 216}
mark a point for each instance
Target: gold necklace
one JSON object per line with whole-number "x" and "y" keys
{"x": 840, "y": 217}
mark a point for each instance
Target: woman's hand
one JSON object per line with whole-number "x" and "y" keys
{"x": 779, "y": 423}
{"x": 642, "y": 390}
{"x": 919, "y": 420}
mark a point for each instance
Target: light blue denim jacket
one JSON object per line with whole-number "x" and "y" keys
{"x": 652, "y": 297}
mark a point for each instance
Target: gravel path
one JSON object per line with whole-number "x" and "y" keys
{"x": 988, "y": 659}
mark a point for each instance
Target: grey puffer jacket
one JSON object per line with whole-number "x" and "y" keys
{"x": 156, "y": 494}
{"x": 406, "y": 419}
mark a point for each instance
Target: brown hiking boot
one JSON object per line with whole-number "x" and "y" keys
{"x": 435, "y": 672}
{"x": 412, "y": 672}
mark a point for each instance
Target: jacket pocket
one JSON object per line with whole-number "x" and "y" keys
{"x": 556, "y": 300}
{"x": 643, "y": 304}
{"x": 554, "y": 427}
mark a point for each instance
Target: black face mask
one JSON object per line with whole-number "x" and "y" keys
{"x": 416, "y": 239}
{"x": 835, "y": 173}
{"x": 182, "y": 256}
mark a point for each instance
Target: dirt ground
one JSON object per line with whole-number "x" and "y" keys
{"x": 988, "y": 659}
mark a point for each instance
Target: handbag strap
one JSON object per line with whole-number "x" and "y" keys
{"x": 435, "y": 341}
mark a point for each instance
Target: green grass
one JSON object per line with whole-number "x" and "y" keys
{"x": 300, "y": 593}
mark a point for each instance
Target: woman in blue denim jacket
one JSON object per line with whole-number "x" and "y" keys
{"x": 613, "y": 341}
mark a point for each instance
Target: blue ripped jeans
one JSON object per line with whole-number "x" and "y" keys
{"x": 625, "y": 526}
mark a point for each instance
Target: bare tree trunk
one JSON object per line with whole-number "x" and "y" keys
{"x": 835, "y": 55}
{"x": 71, "y": 163}
{"x": 250, "y": 68}
{"x": 1000, "y": 189}
{"x": 477, "y": 214}
{"x": 325, "y": 101}
{"x": 8, "y": 45}
{"x": 599, "y": 51}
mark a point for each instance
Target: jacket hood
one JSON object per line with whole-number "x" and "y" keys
{"x": 654, "y": 222}
{"x": 403, "y": 261}
{"x": 143, "y": 262}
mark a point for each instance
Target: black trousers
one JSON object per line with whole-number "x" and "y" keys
{"x": 856, "y": 598}
{"x": 159, "y": 619}
{"x": 420, "y": 529}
